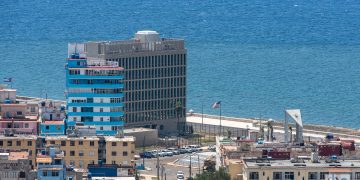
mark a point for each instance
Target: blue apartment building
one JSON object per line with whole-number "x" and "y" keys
{"x": 94, "y": 92}
{"x": 51, "y": 164}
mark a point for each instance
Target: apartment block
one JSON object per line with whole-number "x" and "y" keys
{"x": 120, "y": 151}
{"x": 78, "y": 151}
{"x": 20, "y": 143}
{"x": 94, "y": 92}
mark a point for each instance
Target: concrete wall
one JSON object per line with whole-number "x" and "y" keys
{"x": 151, "y": 136}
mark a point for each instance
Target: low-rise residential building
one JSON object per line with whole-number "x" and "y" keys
{"x": 52, "y": 116}
{"x": 78, "y": 151}
{"x": 15, "y": 165}
{"x": 14, "y": 121}
{"x": 255, "y": 169}
{"x": 120, "y": 150}
{"x": 50, "y": 164}
{"x": 20, "y": 142}
{"x": 7, "y": 95}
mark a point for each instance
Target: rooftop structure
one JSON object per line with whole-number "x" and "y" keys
{"x": 14, "y": 165}
{"x": 94, "y": 92}
{"x": 155, "y": 71}
{"x": 50, "y": 164}
{"x": 299, "y": 170}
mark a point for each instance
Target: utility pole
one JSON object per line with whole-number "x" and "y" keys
{"x": 199, "y": 163}
{"x": 190, "y": 167}
{"x": 158, "y": 168}
{"x": 144, "y": 152}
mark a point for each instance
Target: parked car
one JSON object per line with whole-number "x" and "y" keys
{"x": 212, "y": 148}
{"x": 157, "y": 153}
{"x": 195, "y": 148}
{"x": 174, "y": 151}
{"x": 180, "y": 175}
{"x": 146, "y": 154}
{"x": 167, "y": 152}
{"x": 183, "y": 150}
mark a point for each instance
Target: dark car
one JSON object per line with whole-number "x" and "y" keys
{"x": 146, "y": 155}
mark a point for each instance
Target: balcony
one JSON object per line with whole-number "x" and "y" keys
{"x": 95, "y": 104}
{"x": 95, "y": 113}
{"x": 89, "y": 94}
{"x": 95, "y": 85}
{"x": 94, "y": 77}
{"x": 18, "y": 130}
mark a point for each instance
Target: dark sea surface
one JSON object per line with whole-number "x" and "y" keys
{"x": 256, "y": 56}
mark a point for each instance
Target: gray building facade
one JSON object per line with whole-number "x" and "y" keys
{"x": 155, "y": 79}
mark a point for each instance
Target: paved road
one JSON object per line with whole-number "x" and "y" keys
{"x": 169, "y": 170}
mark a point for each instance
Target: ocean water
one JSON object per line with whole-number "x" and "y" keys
{"x": 257, "y": 57}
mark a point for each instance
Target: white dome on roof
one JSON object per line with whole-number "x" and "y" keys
{"x": 147, "y": 36}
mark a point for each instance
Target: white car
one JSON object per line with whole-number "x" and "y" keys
{"x": 174, "y": 151}
{"x": 167, "y": 152}
{"x": 180, "y": 175}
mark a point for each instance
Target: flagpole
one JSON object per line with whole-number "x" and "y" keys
{"x": 220, "y": 118}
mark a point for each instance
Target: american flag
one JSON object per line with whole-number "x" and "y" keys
{"x": 216, "y": 105}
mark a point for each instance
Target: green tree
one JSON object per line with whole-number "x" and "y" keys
{"x": 221, "y": 174}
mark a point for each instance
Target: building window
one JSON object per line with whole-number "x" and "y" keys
{"x": 81, "y": 153}
{"x": 72, "y": 163}
{"x": 101, "y": 109}
{"x": 58, "y": 127}
{"x": 81, "y": 164}
{"x": 18, "y": 143}
{"x": 357, "y": 175}
{"x": 92, "y": 143}
{"x": 81, "y": 143}
{"x": 101, "y": 119}
{"x": 125, "y": 153}
{"x": 113, "y": 153}
{"x": 47, "y": 127}
{"x": 1, "y": 143}
{"x": 63, "y": 143}
{"x": 9, "y": 143}
{"x": 52, "y": 142}
{"x": 72, "y": 143}
{"x": 19, "y": 113}
{"x": 289, "y": 175}
{"x": 125, "y": 144}
{"x": 54, "y": 173}
{"x": 44, "y": 173}
{"x": 26, "y": 125}
{"x": 91, "y": 153}
{"x": 101, "y": 128}
{"x": 113, "y": 143}
{"x": 312, "y": 175}
{"x": 253, "y": 176}
{"x": 323, "y": 175}
{"x": 72, "y": 153}
{"x": 29, "y": 143}
{"x": 74, "y": 109}
{"x": 277, "y": 175}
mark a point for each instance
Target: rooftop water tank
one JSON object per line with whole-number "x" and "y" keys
{"x": 147, "y": 36}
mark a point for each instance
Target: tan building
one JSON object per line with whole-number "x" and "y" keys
{"x": 120, "y": 151}
{"x": 78, "y": 151}
{"x": 20, "y": 142}
{"x": 253, "y": 169}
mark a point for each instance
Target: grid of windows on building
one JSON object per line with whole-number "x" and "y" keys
{"x": 312, "y": 175}
{"x": 277, "y": 175}
{"x": 254, "y": 176}
{"x": 153, "y": 85}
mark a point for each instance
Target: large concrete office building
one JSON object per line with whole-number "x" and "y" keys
{"x": 155, "y": 78}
